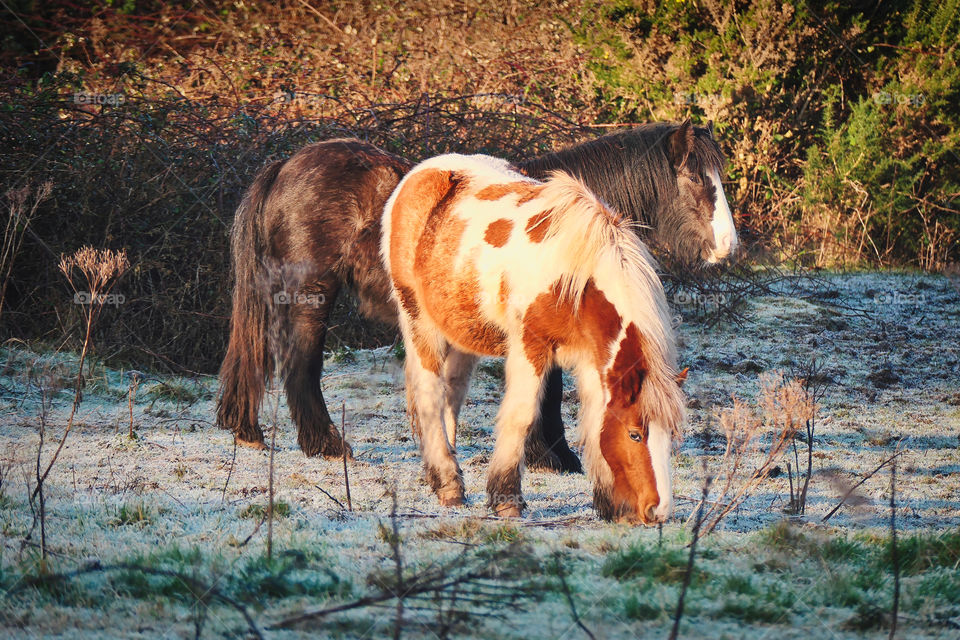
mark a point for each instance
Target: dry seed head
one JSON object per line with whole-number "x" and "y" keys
{"x": 98, "y": 266}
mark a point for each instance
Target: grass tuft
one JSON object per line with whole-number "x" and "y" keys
{"x": 662, "y": 564}
{"x": 281, "y": 509}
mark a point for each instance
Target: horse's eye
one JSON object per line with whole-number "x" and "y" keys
{"x": 636, "y": 436}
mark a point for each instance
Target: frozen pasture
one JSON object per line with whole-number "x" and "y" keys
{"x": 178, "y": 498}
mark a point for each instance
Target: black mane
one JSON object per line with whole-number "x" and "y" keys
{"x": 631, "y": 170}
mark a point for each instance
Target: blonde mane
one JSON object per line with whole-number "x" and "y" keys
{"x": 601, "y": 244}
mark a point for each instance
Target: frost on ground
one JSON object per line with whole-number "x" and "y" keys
{"x": 175, "y": 498}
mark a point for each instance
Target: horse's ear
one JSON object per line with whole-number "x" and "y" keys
{"x": 681, "y": 143}
{"x": 681, "y": 377}
{"x": 630, "y": 384}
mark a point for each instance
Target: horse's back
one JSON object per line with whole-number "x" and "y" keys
{"x": 324, "y": 209}
{"x": 462, "y": 239}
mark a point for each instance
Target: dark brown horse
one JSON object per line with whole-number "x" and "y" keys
{"x": 322, "y": 207}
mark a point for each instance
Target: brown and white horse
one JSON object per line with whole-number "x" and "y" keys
{"x": 322, "y": 207}
{"x": 485, "y": 261}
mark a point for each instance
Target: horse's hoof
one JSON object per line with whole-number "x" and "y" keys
{"x": 332, "y": 450}
{"x": 508, "y": 510}
{"x": 566, "y": 462}
{"x": 451, "y": 501}
{"x": 251, "y": 444}
{"x": 450, "y": 497}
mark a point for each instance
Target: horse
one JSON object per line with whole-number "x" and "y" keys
{"x": 484, "y": 261}
{"x": 322, "y": 207}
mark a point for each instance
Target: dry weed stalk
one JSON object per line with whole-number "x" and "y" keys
{"x": 277, "y": 281}
{"x": 135, "y": 378}
{"x": 480, "y": 582}
{"x": 894, "y": 556}
{"x": 697, "y": 523}
{"x": 18, "y": 220}
{"x": 100, "y": 268}
{"x": 785, "y": 406}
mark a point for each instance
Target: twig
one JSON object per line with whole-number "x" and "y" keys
{"x": 233, "y": 461}
{"x": 793, "y": 504}
{"x": 893, "y": 548}
{"x": 198, "y": 588}
{"x": 401, "y": 589}
{"x": 566, "y": 592}
{"x": 131, "y": 397}
{"x": 324, "y": 492}
{"x": 343, "y": 436}
{"x": 690, "y": 559}
{"x": 273, "y": 440}
{"x": 854, "y": 487}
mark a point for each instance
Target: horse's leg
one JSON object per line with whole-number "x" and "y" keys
{"x": 547, "y": 448}
{"x": 315, "y": 431}
{"x": 592, "y": 406}
{"x": 518, "y": 411}
{"x": 457, "y": 370}
{"x": 425, "y": 393}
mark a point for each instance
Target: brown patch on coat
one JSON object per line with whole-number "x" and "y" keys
{"x": 634, "y": 489}
{"x": 538, "y": 225}
{"x": 498, "y": 232}
{"x": 425, "y": 238}
{"x": 419, "y": 209}
{"x": 454, "y": 305}
{"x": 550, "y": 322}
{"x": 526, "y": 191}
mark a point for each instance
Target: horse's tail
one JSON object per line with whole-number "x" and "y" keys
{"x": 247, "y": 364}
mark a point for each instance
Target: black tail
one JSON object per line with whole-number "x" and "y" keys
{"x": 246, "y": 365}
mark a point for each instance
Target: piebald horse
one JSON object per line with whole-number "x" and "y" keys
{"x": 486, "y": 261}
{"x": 322, "y": 208}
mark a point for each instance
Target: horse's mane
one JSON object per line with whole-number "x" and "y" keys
{"x": 596, "y": 240}
{"x": 630, "y": 170}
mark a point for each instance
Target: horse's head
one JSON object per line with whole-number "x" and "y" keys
{"x": 635, "y": 439}
{"x": 698, "y": 224}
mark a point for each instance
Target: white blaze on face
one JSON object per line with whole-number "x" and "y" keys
{"x": 724, "y": 231}
{"x": 658, "y": 442}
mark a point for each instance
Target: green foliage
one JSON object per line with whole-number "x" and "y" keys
{"x": 132, "y": 513}
{"x": 867, "y": 616}
{"x": 179, "y": 391}
{"x": 920, "y": 552}
{"x": 257, "y": 580}
{"x": 291, "y": 573}
{"x": 399, "y": 350}
{"x": 639, "y": 607}
{"x": 873, "y": 145}
{"x": 660, "y": 563}
{"x": 345, "y": 354}
{"x": 259, "y": 511}
{"x": 753, "y": 609}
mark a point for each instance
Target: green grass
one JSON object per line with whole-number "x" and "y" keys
{"x": 918, "y": 553}
{"x": 132, "y": 513}
{"x": 254, "y": 580}
{"x": 664, "y": 564}
{"x": 259, "y": 511}
{"x": 752, "y": 609}
{"x": 638, "y": 607}
{"x": 179, "y": 391}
